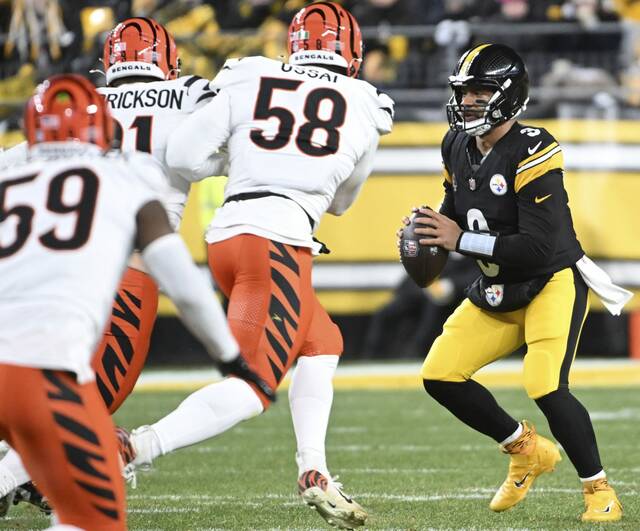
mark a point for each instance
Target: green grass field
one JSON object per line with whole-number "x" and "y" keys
{"x": 410, "y": 463}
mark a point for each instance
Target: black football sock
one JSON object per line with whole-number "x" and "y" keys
{"x": 474, "y": 405}
{"x": 571, "y": 426}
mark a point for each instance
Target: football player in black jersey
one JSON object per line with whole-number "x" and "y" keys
{"x": 506, "y": 205}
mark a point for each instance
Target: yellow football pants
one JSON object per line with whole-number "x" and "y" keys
{"x": 550, "y": 325}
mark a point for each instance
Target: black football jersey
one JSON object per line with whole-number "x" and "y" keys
{"x": 516, "y": 193}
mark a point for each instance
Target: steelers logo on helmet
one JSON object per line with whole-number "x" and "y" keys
{"x": 494, "y": 68}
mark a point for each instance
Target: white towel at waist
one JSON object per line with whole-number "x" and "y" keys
{"x": 612, "y": 296}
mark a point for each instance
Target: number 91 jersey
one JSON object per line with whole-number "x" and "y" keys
{"x": 68, "y": 230}
{"x": 145, "y": 114}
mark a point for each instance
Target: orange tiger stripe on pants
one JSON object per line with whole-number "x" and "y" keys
{"x": 273, "y": 310}
{"x": 121, "y": 355}
{"x": 66, "y": 440}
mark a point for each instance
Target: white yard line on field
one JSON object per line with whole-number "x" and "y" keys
{"x": 402, "y": 470}
{"x": 195, "y": 500}
{"x": 405, "y": 375}
{"x": 620, "y": 414}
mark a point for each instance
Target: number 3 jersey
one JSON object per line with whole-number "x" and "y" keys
{"x": 147, "y": 113}
{"x": 301, "y": 132}
{"x": 68, "y": 230}
{"x": 515, "y": 193}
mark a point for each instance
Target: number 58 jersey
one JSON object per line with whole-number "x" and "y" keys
{"x": 296, "y": 131}
{"x": 68, "y": 230}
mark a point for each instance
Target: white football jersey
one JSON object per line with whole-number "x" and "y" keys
{"x": 14, "y": 155}
{"x": 147, "y": 113}
{"x": 68, "y": 234}
{"x": 303, "y": 132}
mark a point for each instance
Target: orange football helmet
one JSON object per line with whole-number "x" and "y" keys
{"x": 326, "y": 33}
{"x": 140, "y": 47}
{"x": 68, "y": 107}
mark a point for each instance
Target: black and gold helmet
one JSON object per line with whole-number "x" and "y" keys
{"x": 493, "y": 67}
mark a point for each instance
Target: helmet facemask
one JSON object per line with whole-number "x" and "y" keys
{"x": 491, "y": 113}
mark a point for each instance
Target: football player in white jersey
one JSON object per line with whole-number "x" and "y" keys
{"x": 71, "y": 217}
{"x": 301, "y": 137}
{"x": 148, "y": 100}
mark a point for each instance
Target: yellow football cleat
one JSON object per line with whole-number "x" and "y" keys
{"x": 531, "y": 455}
{"x": 600, "y": 501}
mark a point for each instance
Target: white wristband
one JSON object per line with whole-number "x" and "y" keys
{"x": 477, "y": 243}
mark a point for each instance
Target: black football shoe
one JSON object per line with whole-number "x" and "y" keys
{"x": 28, "y": 493}
{"x": 5, "y": 503}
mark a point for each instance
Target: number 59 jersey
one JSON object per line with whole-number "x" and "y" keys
{"x": 68, "y": 230}
{"x": 146, "y": 113}
{"x": 297, "y": 131}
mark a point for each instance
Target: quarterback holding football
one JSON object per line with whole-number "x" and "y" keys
{"x": 505, "y": 204}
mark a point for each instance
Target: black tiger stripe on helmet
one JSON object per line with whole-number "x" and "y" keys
{"x": 328, "y": 28}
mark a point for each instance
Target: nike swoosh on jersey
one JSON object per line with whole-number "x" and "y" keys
{"x": 543, "y": 198}
{"x": 534, "y": 148}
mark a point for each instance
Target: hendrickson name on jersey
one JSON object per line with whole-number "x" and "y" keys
{"x": 313, "y": 74}
{"x": 144, "y": 98}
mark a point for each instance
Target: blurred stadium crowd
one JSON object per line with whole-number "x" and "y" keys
{"x": 582, "y": 51}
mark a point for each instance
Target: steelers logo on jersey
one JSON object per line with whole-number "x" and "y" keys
{"x": 494, "y": 294}
{"x": 498, "y": 184}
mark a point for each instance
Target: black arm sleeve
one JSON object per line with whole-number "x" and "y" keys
{"x": 540, "y": 207}
{"x": 448, "y": 204}
{"x": 447, "y": 207}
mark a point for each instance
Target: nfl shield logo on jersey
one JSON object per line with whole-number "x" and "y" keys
{"x": 494, "y": 294}
{"x": 498, "y": 184}
{"x": 410, "y": 248}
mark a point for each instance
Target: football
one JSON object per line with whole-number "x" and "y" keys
{"x": 422, "y": 263}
